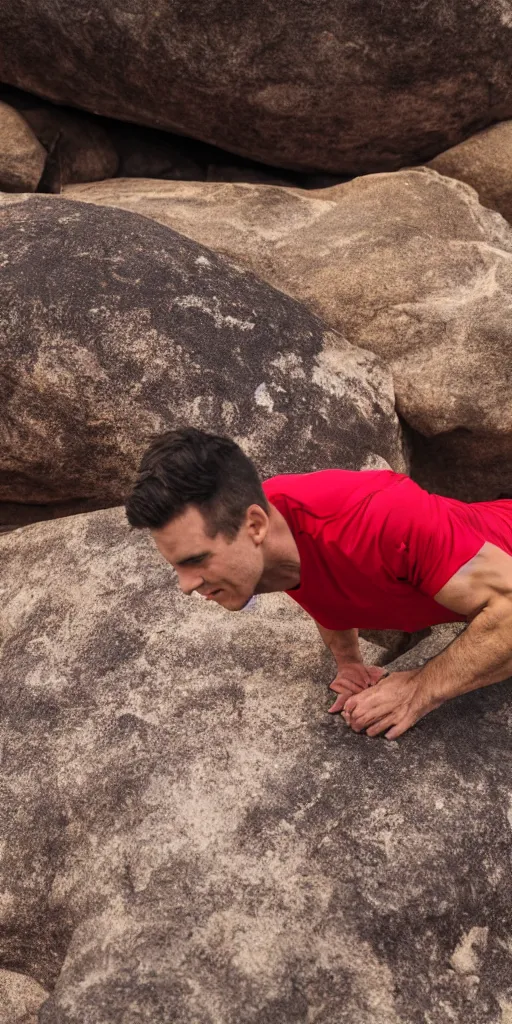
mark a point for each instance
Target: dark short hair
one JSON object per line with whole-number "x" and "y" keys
{"x": 190, "y": 467}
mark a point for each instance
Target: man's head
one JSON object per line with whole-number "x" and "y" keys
{"x": 201, "y": 497}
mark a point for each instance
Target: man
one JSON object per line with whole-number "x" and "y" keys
{"x": 356, "y": 550}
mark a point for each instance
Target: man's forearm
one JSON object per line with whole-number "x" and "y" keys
{"x": 480, "y": 656}
{"x": 343, "y": 644}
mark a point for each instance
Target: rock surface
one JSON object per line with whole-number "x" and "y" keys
{"x": 409, "y": 266}
{"x": 20, "y": 998}
{"x": 344, "y": 86}
{"x": 22, "y": 158}
{"x": 189, "y": 836}
{"x": 485, "y": 162}
{"x": 114, "y": 327}
{"x": 79, "y": 148}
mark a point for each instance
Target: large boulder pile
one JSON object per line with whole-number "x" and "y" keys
{"x": 186, "y": 835}
{"x": 333, "y": 85}
{"x": 113, "y": 327}
{"x": 409, "y": 266}
{"x": 189, "y": 836}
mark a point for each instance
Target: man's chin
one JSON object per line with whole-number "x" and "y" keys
{"x": 240, "y": 605}
{"x": 233, "y": 603}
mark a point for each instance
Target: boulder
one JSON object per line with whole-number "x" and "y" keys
{"x": 342, "y": 86}
{"x": 113, "y": 327}
{"x": 409, "y": 266}
{"x": 22, "y": 158}
{"x": 188, "y": 836}
{"x": 485, "y": 162}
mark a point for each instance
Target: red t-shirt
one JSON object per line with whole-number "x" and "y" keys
{"x": 375, "y": 547}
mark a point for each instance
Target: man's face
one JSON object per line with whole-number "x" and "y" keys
{"x": 222, "y": 570}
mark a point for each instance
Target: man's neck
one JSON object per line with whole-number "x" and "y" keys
{"x": 282, "y": 559}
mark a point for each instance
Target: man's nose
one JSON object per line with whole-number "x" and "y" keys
{"x": 188, "y": 582}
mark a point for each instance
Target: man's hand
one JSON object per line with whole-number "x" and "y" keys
{"x": 391, "y": 707}
{"x": 352, "y": 678}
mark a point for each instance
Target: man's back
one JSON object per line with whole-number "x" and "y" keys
{"x": 375, "y": 547}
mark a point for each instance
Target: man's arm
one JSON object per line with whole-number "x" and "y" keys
{"x": 480, "y": 656}
{"x": 342, "y": 643}
{"x": 481, "y": 590}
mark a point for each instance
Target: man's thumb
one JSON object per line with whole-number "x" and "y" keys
{"x": 338, "y": 703}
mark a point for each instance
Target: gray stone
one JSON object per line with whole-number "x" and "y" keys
{"x": 114, "y": 327}
{"x": 190, "y": 837}
{"x": 22, "y": 158}
{"x": 342, "y": 86}
{"x": 409, "y": 266}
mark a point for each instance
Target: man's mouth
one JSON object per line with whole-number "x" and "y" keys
{"x": 212, "y": 594}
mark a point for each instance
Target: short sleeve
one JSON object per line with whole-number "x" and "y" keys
{"x": 424, "y": 539}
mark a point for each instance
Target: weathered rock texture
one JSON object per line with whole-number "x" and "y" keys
{"x": 189, "y": 836}
{"x": 79, "y": 148}
{"x": 407, "y": 265}
{"x": 485, "y": 163}
{"x": 22, "y": 158}
{"x": 113, "y": 327}
{"x": 20, "y": 998}
{"x": 333, "y": 85}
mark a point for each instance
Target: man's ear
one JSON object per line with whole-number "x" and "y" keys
{"x": 257, "y": 523}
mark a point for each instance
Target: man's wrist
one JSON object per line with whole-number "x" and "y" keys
{"x": 343, "y": 645}
{"x": 343, "y": 658}
{"x": 431, "y": 689}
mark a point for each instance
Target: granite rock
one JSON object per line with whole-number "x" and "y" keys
{"x": 114, "y": 327}
{"x": 343, "y": 86}
{"x": 409, "y": 266}
{"x": 190, "y": 837}
{"x": 22, "y": 158}
{"x": 485, "y": 162}
{"x": 79, "y": 148}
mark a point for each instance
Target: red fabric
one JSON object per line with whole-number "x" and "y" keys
{"x": 375, "y": 547}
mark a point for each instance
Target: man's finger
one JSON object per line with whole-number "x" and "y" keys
{"x": 368, "y": 700}
{"x": 345, "y": 686}
{"x": 339, "y": 704}
{"x": 398, "y": 730}
{"x": 378, "y": 727}
{"x": 368, "y": 714}
{"x": 351, "y": 704}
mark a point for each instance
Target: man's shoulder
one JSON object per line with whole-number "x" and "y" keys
{"x": 326, "y": 490}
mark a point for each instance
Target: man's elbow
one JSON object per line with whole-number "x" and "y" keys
{"x": 496, "y": 613}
